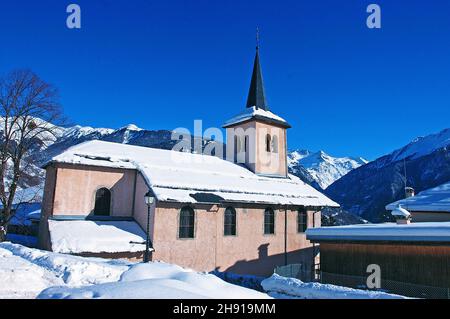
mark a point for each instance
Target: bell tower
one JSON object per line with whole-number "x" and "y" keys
{"x": 257, "y": 138}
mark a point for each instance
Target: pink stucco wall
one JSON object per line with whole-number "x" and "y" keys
{"x": 76, "y": 187}
{"x": 249, "y": 252}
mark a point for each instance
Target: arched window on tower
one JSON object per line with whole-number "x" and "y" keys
{"x": 102, "y": 202}
{"x": 236, "y": 149}
{"x": 268, "y": 143}
{"x": 275, "y": 144}
{"x": 246, "y": 143}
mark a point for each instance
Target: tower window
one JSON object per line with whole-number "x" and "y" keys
{"x": 268, "y": 143}
{"x": 102, "y": 202}
{"x": 275, "y": 144}
{"x": 239, "y": 144}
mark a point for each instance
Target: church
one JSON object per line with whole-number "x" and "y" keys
{"x": 244, "y": 214}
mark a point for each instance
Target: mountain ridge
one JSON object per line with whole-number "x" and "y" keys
{"x": 366, "y": 190}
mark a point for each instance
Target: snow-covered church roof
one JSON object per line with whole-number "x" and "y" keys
{"x": 195, "y": 178}
{"x": 432, "y": 200}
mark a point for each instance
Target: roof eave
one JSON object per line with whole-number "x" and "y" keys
{"x": 282, "y": 124}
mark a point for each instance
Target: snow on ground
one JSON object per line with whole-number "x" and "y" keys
{"x": 291, "y": 288}
{"x": 21, "y": 278}
{"x": 42, "y": 269}
{"x": 30, "y": 273}
{"x": 156, "y": 281}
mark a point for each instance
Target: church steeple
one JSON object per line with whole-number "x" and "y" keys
{"x": 256, "y": 94}
{"x": 257, "y": 138}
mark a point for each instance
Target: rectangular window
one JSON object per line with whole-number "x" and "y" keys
{"x": 269, "y": 221}
{"x": 302, "y": 221}
{"x": 187, "y": 221}
{"x": 230, "y": 222}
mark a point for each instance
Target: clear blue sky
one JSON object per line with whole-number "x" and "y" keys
{"x": 161, "y": 64}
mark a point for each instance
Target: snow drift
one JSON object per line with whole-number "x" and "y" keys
{"x": 278, "y": 286}
{"x": 27, "y": 273}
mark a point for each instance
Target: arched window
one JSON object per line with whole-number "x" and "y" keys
{"x": 268, "y": 143}
{"x": 102, "y": 202}
{"x": 274, "y": 144}
{"x": 186, "y": 225}
{"x": 246, "y": 143}
{"x": 235, "y": 149}
{"x": 269, "y": 221}
{"x": 229, "y": 225}
{"x": 302, "y": 220}
{"x": 238, "y": 144}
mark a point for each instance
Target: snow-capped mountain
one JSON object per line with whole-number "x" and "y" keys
{"x": 367, "y": 190}
{"x": 421, "y": 146}
{"x": 323, "y": 168}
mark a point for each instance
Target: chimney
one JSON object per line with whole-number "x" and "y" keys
{"x": 401, "y": 215}
{"x": 409, "y": 192}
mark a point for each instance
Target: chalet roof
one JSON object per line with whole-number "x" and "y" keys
{"x": 432, "y": 200}
{"x": 195, "y": 178}
{"x": 415, "y": 232}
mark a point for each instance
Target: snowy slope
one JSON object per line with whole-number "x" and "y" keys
{"x": 422, "y": 146}
{"x": 323, "y": 168}
{"x": 281, "y": 287}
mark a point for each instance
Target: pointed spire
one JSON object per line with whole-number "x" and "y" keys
{"x": 256, "y": 94}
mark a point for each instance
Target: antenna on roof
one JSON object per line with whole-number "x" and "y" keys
{"x": 257, "y": 38}
{"x": 409, "y": 191}
{"x": 406, "y": 178}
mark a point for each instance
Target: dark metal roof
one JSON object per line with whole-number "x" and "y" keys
{"x": 256, "y": 94}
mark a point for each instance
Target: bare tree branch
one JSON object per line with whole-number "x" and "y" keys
{"x": 29, "y": 113}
